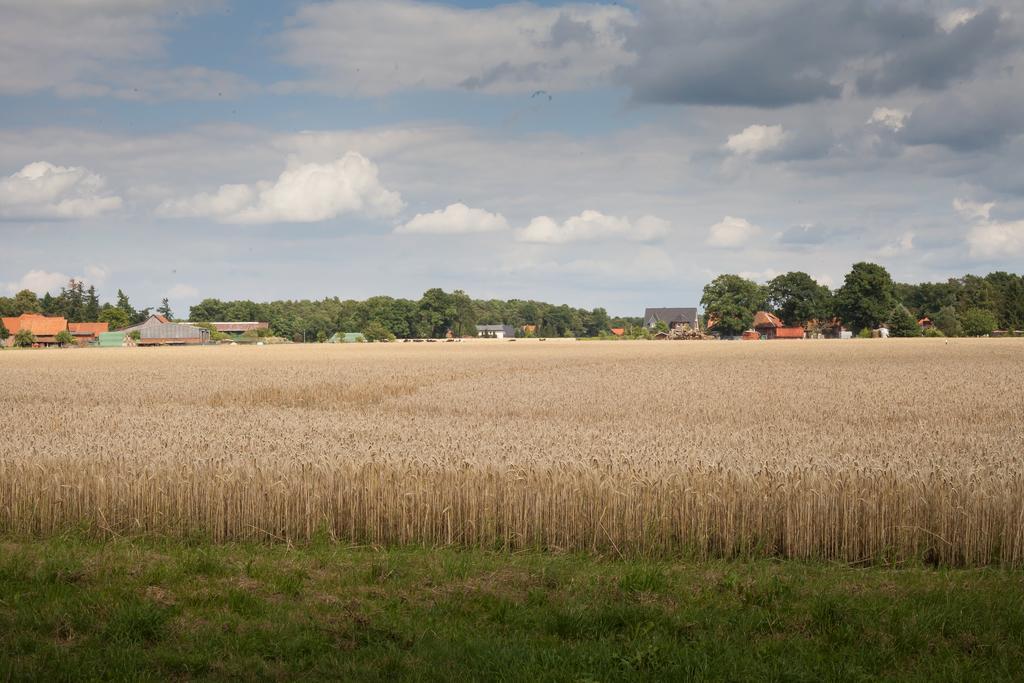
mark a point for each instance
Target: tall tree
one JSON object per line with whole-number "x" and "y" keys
{"x": 947, "y": 322}
{"x": 902, "y": 323}
{"x": 731, "y": 301}
{"x": 92, "y": 305}
{"x": 26, "y": 301}
{"x": 797, "y": 298}
{"x": 164, "y": 309}
{"x": 866, "y": 297}
{"x": 125, "y": 305}
{"x": 436, "y": 312}
{"x": 4, "y": 333}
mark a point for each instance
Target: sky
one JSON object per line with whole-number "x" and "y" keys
{"x": 615, "y": 154}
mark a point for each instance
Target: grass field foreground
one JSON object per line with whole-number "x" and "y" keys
{"x": 74, "y": 608}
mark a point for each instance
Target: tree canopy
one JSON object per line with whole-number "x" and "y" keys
{"x": 867, "y": 296}
{"x": 731, "y": 301}
{"x": 797, "y": 298}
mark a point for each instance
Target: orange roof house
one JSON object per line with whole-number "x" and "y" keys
{"x": 772, "y": 327}
{"x": 618, "y": 331}
{"x": 86, "y": 332}
{"x": 44, "y": 328}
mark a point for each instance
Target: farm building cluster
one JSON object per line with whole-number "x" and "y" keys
{"x": 156, "y": 330}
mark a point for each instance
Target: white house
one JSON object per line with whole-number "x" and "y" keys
{"x": 495, "y": 331}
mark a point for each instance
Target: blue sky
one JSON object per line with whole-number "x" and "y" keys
{"x": 598, "y": 154}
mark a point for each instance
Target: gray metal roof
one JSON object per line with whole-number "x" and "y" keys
{"x": 670, "y": 316}
{"x": 493, "y": 328}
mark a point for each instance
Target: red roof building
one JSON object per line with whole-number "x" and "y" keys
{"x": 86, "y": 332}
{"x": 43, "y": 328}
{"x": 770, "y": 326}
{"x": 618, "y": 331}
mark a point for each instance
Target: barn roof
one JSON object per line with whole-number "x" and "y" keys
{"x": 88, "y": 328}
{"x": 766, "y": 319}
{"x": 670, "y": 316}
{"x": 39, "y": 325}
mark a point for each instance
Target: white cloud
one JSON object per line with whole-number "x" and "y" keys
{"x": 761, "y": 276}
{"x": 893, "y": 119}
{"x": 96, "y": 275}
{"x": 303, "y": 193}
{"x": 43, "y": 190}
{"x": 39, "y": 281}
{"x": 997, "y": 239}
{"x": 955, "y": 18}
{"x": 372, "y": 47}
{"x": 989, "y": 238}
{"x": 972, "y": 210}
{"x": 756, "y": 139}
{"x": 731, "y": 232}
{"x": 593, "y": 225}
{"x": 182, "y": 291}
{"x": 455, "y": 219}
{"x": 901, "y": 246}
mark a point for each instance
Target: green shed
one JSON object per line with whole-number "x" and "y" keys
{"x": 346, "y": 338}
{"x": 110, "y": 340}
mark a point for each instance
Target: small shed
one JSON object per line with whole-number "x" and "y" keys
{"x": 111, "y": 340}
{"x": 347, "y": 338}
{"x": 172, "y": 334}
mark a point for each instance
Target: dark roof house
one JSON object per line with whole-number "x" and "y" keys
{"x": 673, "y": 317}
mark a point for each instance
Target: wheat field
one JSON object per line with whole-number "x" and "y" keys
{"x": 858, "y": 451}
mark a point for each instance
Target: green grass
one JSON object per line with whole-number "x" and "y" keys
{"x": 74, "y": 609}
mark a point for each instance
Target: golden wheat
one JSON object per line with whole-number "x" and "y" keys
{"x": 859, "y": 451}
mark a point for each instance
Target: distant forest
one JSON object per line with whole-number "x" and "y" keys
{"x": 965, "y": 305}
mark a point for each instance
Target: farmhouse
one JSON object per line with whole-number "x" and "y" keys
{"x": 172, "y": 334}
{"x": 495, "y": 331}
{"x": 672, "y": 317}
{"x": 85, "y": 333}
{"x": 770, "y": 326}
{"x": 45, "y": 329}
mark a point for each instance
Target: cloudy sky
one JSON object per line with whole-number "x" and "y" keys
{"x": 599, "y": 154}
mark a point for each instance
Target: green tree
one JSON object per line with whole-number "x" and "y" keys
{"x": 596, "y": 322}
{"x": 51, "y": 305}
{"x": 64, "y": 338}
{"x": 375, "y": 331}
{"x": 26, "y": 301}
{"x": 125, "y": 305}
{"x": 164, "y": 309}
{"x": 115, "y": 318}
{"x": 4, "y": 333}
{"x": 321, "y": 337}
{"x": 464, "y": 321}
{"x": 902, "y": 323}
{"x": 92, "y": 305}
{"x": 24, "y": 339}
{"x": 436, "y": 313}
{"x": 866, "y": 297}
{"x": 797, "y": 298}
{"x": 978, "y": 322}
{"x": 947, "y": 322}
{"x": 731, "y": 302}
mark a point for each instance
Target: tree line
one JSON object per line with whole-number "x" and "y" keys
{"x": 971, "y": 305}
{"x": 77, "y": 304}
{"x": 433, "y": 315}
